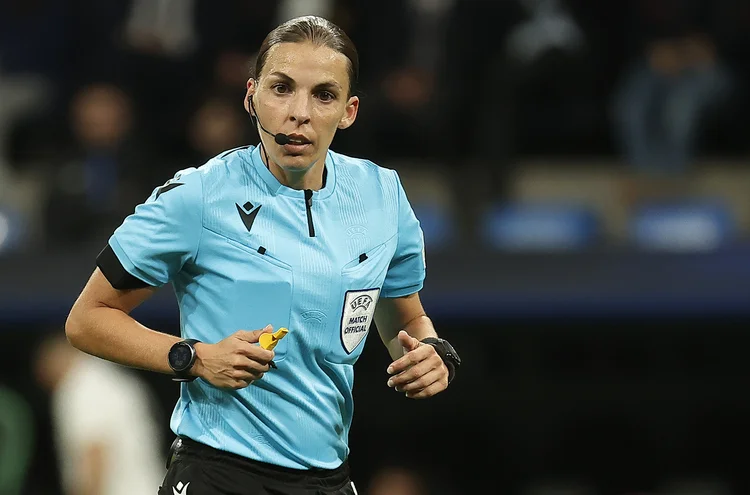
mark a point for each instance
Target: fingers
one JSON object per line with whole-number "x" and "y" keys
{"x": 236, "y": 361}
{"x": 408, "y": 342}
{"x": 252, "y": 336}
{"x": 238, "y": 383}
{"x": 250, "y": 365}
{"x": 420, "y": 376}
{"x": 411, "y": 358}
{"x": 429, "y": 391}
{"x": 244, "y": 372}
{"x": 427, "y": 385}
{"x": 249, "y": 339}
{"x": 255, "y": 352}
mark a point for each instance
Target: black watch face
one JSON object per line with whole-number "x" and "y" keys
{"x": 453, "y": 353}
{"x": 180, "y": 356}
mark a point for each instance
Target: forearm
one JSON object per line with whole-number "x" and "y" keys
{"x": 420, "y": 328}
{"x": 111, "y": 334}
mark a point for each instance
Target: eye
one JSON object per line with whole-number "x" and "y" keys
{"x": 280, "y": 88}
{"x": 326, "y": 96}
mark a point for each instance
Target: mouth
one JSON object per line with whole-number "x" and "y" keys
{"x": 298, "y": 140}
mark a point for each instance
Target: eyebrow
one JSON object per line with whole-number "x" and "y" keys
{"x": 325, "y": 86}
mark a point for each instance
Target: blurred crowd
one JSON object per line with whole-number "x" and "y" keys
{"x": 101, "y": 101}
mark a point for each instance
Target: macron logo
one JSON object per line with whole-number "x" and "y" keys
{"x": 180, "y": 489}
{"x": 248, "y": 212}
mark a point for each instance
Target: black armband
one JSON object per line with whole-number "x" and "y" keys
{"x": 118, "y": 276}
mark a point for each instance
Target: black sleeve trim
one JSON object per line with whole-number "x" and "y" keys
{"x": 118, "y": 277}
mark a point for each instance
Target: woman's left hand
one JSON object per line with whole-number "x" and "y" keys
{"x": 420, "y": 373}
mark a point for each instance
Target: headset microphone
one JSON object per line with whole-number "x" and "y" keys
{"x": 280, "y": 138}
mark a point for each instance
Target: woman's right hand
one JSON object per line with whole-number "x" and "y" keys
{"x": 235, "y": 362}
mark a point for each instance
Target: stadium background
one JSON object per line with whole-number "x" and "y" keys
{"x": 602, "y": 313}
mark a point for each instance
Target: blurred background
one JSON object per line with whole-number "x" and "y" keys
{"x": 581, "y": 170}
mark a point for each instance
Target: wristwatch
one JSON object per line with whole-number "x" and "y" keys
{"x": 447, "y": 353}
{"x": 182, "y": 358}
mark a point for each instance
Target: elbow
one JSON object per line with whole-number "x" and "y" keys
{"x": 75, "y": 328}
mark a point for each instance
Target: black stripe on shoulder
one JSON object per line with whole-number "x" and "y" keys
{"x": 234, "y": 150}
{"x": 118, "y": 277}
{"x": 167, "y": 188}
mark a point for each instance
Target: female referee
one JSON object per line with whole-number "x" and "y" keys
{"x": 285, "y": 235}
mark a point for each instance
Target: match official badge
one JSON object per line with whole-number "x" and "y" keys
{"x": 359, "y": 310}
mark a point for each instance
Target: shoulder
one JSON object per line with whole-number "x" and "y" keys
{"x": 226, "y": 164}
{"x": 362, "y": 170}
{"x": 184, "y": 186}
{"x": 230, "y": 167}
{"x": 194, "y": 183}
{"x": 228, "y": 161}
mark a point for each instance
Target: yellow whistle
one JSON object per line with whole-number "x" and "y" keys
{"x": 269, "y": 340}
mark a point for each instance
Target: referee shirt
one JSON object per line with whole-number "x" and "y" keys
{"x": 241, "y": 251}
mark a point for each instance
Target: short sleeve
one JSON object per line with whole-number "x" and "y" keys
{"x": 155, "y": 242}
{"x": 406, "y": 271}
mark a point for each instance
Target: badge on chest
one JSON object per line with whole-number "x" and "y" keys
{"x": 359, "y": 311}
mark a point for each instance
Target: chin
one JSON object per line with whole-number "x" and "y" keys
{"x": 296, "y": 163}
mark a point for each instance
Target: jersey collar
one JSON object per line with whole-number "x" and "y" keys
{"x": 277, "y": 187}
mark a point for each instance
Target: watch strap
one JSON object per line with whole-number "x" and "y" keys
{"x": 447, "y": 354}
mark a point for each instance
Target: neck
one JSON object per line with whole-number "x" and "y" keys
{"x": 308, "y": 178}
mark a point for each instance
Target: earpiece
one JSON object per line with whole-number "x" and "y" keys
{"x": 250, "y": 109}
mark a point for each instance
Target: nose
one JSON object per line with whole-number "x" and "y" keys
{"x": 299, "y": 109}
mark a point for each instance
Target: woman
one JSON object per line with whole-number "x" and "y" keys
{"x": 286, "y": 234}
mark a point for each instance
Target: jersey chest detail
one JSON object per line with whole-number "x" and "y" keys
{"x": 323, "y": 288}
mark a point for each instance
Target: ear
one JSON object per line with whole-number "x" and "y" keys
{"x": 350, "y": 115}
{"x": 252, "y": 85}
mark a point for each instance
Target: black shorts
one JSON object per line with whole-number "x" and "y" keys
{"x": 197, "y": 469}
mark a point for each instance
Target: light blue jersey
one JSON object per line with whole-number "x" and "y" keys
{"x": 242, "y": 251}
